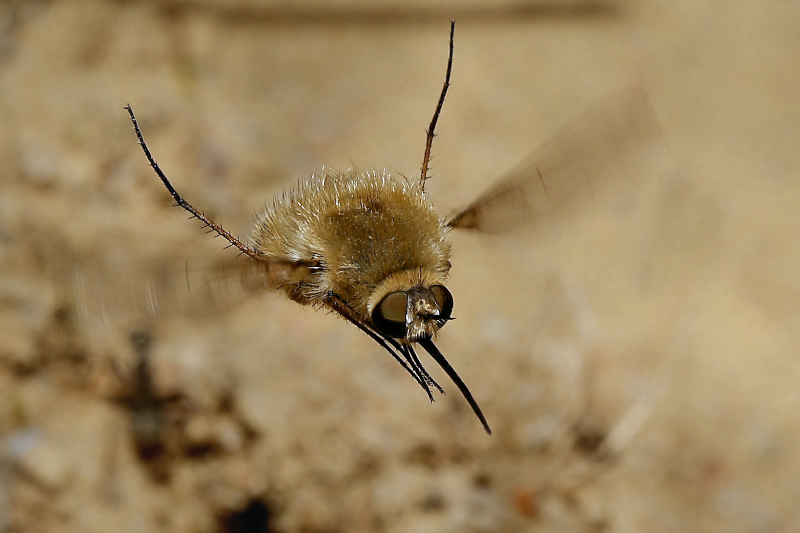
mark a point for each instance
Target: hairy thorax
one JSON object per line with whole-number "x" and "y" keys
{"x": 363, "y": 234}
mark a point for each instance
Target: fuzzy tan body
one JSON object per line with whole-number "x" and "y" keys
{"x": 372, "y": 248}
{"x": 364, "y": 235}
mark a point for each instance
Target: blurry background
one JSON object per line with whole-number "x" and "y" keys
{"x": 639, "y": 367}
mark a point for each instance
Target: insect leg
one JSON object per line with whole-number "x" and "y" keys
{"x": 219, "y": 230}
{"x": 424, "y": 373}
{"x": 430, "y": 133}
{"x": 339, "y": 306}
{"x": 439, "y": 358}
{"x": 418, "y": 369}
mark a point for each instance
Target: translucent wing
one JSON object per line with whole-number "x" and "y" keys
{"x": 134, "y": 290}
{"x": 613, "y": 147}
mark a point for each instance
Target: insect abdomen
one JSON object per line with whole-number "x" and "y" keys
{"x": 360, "y": 228}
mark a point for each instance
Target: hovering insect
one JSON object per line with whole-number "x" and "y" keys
{"x": 372, "y": 248}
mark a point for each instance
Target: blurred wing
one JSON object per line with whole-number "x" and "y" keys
{"x": 613, "y": 147}
{"x": 133, "y": 291}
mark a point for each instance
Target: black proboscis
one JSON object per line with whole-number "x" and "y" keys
{"x": 439, "y": 358}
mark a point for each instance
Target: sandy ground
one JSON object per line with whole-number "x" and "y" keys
{"x": 638, "y": 364}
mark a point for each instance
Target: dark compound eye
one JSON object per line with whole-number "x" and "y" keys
{"x": 389, "y": 316}
{"x": 444, "y": 301}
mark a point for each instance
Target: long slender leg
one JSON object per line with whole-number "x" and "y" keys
{"x": 219, "y": 230}
{"x": 439, "y": 358}
{"x": 430, "y": 133}
{"x": 418, "y": 369}
{"x": 415, "y": 364}
{"x": 339, "y": 306}
{"x": 413, "y": 361}
{"x": 424, "y": 373}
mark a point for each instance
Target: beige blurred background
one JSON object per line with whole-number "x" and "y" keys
{"x": 639, "y": 367}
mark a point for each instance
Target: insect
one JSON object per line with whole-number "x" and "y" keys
{"x": 372, "y": 248}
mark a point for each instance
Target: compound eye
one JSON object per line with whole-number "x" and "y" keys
{"x": 444, "y": 301}
{"x": 389, "y": 316}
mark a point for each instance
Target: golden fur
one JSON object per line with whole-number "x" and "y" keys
{"x": 368, "y": 233}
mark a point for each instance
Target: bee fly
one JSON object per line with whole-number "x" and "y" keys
{"x": 372, "y": 248}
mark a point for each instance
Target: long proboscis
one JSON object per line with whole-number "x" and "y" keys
{"x": 439, "y": 358}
